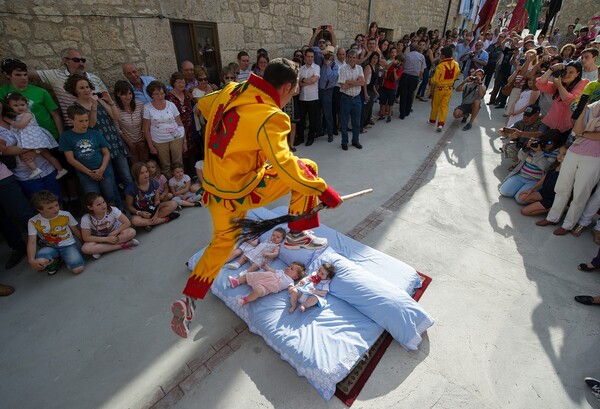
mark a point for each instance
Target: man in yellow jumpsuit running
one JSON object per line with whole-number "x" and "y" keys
{"x": 248, "y": 164}
{"x": 442, "y": 82}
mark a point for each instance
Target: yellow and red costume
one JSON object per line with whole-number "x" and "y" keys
{"x": 248, "y": 164}
{"x": 442, "y": 82}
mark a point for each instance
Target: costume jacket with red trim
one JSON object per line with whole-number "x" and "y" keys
{"x": 446, "y": 73}
{"x": 246, "y": 128}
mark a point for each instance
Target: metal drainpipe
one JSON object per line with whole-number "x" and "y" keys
{"x": 370, "y": 16}
{"x": 447, "y": 15}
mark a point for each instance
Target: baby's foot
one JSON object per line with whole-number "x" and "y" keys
{"x": 243, "y": 300}
{"x": 302, "y": 309}
{"x": 292, "y": 309}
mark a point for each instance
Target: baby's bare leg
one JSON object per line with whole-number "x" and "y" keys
{"x": 50, "y": 158}
{"x": 234, "y": 254}
{"x": 253, "y": 267}
{"x": 294, "y": 295}
{"x": 253, "y": 296}
{"x": 310, "y": 301}
{"x": 242, "y": 279}
{"x": 27, "y": 158}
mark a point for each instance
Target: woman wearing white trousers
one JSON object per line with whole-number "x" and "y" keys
{"x": 579, "y": 173}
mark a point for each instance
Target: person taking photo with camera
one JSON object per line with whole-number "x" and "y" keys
{"x": 473, "y": 91}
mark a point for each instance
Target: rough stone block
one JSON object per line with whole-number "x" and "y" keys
{"x": 105, "y": 36}
{"x": 17, "y": 48}
{"x": 16, "y": 28}
{"x": 71, "y": 33}
{"x": 201, "y": 358}
{"x": 169, "y": 400}
{"x": 40, "y": 49}
{"x": 49, "y": 11}
{"x": 224, "y": 340}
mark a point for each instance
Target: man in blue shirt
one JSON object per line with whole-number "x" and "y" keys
{"x": 328, "y": 80}
{"x": 476, "y": 60}
{"x": 138, "y": 82}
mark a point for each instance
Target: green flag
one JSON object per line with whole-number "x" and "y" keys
{"x": 533, "y": 8}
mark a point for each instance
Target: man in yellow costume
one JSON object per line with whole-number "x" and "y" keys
{"x": 442, "y": 82}
{"x": 248, "y": 164}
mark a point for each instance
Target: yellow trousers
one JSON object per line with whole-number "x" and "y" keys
{"x": 439, "y": 104}
{"x": 224, "y": 211}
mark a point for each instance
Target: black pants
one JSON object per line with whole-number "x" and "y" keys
{"x": 313, "y": 109}
{"x": 336, "y": 108}
{"x": 408, "y": 85}
{"x": 500, "y": 81}
{"x": 14, "y": 213}
{"x": 489, "y": 73}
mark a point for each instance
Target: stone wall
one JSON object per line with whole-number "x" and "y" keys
{"x": 109, "y": 32}
{"x": 571, "y": 9}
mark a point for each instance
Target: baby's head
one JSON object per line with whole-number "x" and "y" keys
{"x": 326, "y": 271}
{"x": 278, "y": 235}
{"x": 295, "y": 270}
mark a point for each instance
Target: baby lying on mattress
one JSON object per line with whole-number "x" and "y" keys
{"x": 269, "y": 281}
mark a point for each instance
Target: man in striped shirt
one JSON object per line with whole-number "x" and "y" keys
{"x": 351, "y": 79}
{"x": 74, "y": 64}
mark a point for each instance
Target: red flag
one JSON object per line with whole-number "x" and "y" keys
{"x": 519, "y": 17}
{"x": 486, "y": 14}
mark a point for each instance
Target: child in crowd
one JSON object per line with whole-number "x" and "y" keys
{"x": 179, "y": 185}
{"x": 196, "y": 188}
{"x": 312, "y": 290}
{"x": 88, "y": 152}
{"x": 104, "y": 228}
{"x": 56, "y": 230}
{"x": 143, "y": 201}
{"x": 268, "y": 281}
{"x": 163, "y": 187}
{"x": 387, "y": 93}
{"x": 260, "y": 254}
{"x": 541, "y": 195}
{"x": 30, "y": 135}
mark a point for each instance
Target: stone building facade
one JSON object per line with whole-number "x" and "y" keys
{"x": 109, "y": 32}
{"x": 571, "y": 9}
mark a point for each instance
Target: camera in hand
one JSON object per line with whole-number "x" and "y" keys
{"x": 98, "y": 94}
{"x": 559, "y": 73}
{"x": 323, "y": 27}
{"x": 535, "y": 143}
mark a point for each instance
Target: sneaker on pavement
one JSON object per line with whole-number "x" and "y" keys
{"x": 53, "y": 267}
{"x": 467, "y": 127}
{"x": 233, "y": 265}
{"x": 233, "y": 282}
{"x": 304, "y": 240}
{"x": 464, "y": 120}
{"x": 96, "y": 256}
{"x": 594, "y": 384}
{"x": 439, "y": 128}
{"x": 134, "y": 242}
{"x": 183, "y": 312}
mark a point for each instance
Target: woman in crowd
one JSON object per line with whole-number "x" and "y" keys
{"x": 565, "y": 84}
{"x": 130, "y": 121}
{"x": 163, "y": 128}
{"x": 261, "y": 63}
{"x": 430, "y": 56}
{"x": 528, "y": 96}
{"x": 566, "y": 52}
{"x": 184, "y": 103}
{"x": 579, "y": 173}
{"x": 227, "y": 76}
{"x": 103, "y": 113}
{"x": 371, "y": 72}
{"x": 46, "y": 180}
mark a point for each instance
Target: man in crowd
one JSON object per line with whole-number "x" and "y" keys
{"x": 528, "y": 127}
{"x": 187, "y": 69}
{"x": 309, "y": 99}
{"x": 473, "y": 90}
{"x": 326, "y": 33}
{"x": 588, "y": 62}
{"x": 494, "y": 51}
{"x": 581, "y": 42}
{"x": 327, "y": 80}
{"x": 462, "y": 49}
{"x": 41, "y": 104}
{"x": 414, "y": 65}
{"x": 138, "y": 82}
{"x": 74, "y": 63}
{"x": 568, "y": 38}
{"x": 340, "y": 61}
{"x": 351, "y": 80}
{"x": 475, "y": 60}
{"x": 243, "y": 60}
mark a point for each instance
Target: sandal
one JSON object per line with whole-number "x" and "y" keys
{"x": 577, "y": 230}
{"x": 585, "y": 267}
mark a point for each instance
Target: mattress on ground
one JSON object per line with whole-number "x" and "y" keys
{"x": 323, "y": 345}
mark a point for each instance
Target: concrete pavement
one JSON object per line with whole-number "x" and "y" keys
{"x": 507, "y": 335}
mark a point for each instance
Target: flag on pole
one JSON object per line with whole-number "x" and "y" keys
{"x": 533, "y": 8}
